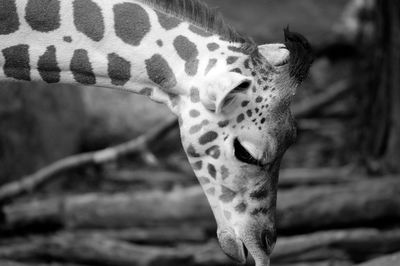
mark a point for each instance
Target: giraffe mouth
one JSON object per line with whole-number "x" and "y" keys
{"x": 232, "y": 246}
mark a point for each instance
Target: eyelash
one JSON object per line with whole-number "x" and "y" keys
{"x": 243, "y": 155}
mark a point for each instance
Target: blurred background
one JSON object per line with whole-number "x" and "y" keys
{"x": 339, "y": 192}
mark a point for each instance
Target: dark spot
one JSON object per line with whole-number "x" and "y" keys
{"x": 194, "y": 113}
{"x": 247, "y": 63}
{"x": 208, "y": 137}
{"x": 200, "y": 31}
{"x": 249, "y": 113}
{"x": 205, "y": 122}
{"x": 241, "y": 207}
{"x": 167, "y": 22}
{"x": 48, "y": 66}
{"x": 213, "y": 46}
{"x": 192, "y": 152}
{"x": 132, "y": 23}
{"x": 245, "y": 103}
{"x": 227, "y": 195}
{"x": 237, "y": 70}
{"x": 159, "y": 72}
{"x": 194, "y": 95}
{"x": 262, "y": 120}
{"x": 231, "y": 59}
{"x": 260, "y": 193}
{"x": 160, "y": 43}
{"x": 187, "y": 50}
{"x": 81, "y": 68}
{"x": 213, "y": 152}
{"x": 197, "y": 165}
{"x": 43, "y": 16}
{"x": 191, "y": 67}
{"x": 211, "y": 63}
{"x": 223, "y": 123}
{"x": 227, "y": 215}
{"x": 257, "y": 110}
{"x": 9, "y": 22}
{"x": 210, "y": 191}
{"x": 146, "y": 91}
{"x": 259, "y": 99}
{"x": 203, "y": 180}
{"x": 235, "y": 49}
{"x": 224, "y": 172}
{"x": 88, "y": 19}
{"x": 67, "y": 39}
{"x": 174, "y": 99}
{"x": 17, "y": 62}
{"x": 258, "y": 211}
{"x": 211, "y": 170}
{"x": 196, "y": 128}
{"x": 119, "y": 70}
{"x": 240, "y": 118}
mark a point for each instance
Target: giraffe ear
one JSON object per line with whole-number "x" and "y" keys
{"x": 222, "y": 90}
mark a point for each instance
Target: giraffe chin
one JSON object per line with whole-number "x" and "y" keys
{"x": 232, "y": 246}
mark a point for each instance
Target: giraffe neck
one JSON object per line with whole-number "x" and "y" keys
{"x": 129, "y": 45}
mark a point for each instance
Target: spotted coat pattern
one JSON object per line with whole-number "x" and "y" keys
{"x": 132, "y": 45}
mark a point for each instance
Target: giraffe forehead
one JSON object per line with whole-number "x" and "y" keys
{"x": 43, "y": 18}
{"x": 88, "y": 19}
{"x": 8, "y": 17}
{"x": 132, "y": 23}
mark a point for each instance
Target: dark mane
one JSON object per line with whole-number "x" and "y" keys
{"x": 199, "y": 14}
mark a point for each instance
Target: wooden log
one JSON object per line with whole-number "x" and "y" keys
{"x": 163, "y": 235}
{"x": 93, "y": 249}
{"x": 16, "y": 263}
{"x": 304, "y": 209}
{"x": 353, "y": 244}
{"x": 289, "y": 178}
{"x": 340, "y": 246}
{"x": 388, "y": 260}
{"x": 122, "y": 210}
{"x": 366, "y": 202}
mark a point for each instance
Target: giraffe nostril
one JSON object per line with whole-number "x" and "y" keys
{"x": 268, "y": 240}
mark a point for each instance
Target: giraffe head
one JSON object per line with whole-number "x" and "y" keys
{"x": 235, "y": 127}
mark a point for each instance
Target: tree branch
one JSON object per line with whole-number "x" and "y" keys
{"x": 33, "y": 181}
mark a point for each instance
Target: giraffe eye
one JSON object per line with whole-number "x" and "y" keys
{"x": 243, "y": 155}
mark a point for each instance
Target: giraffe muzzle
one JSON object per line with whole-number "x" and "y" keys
{"x": 259, "y": 245}
{"x": 232, "y": 246}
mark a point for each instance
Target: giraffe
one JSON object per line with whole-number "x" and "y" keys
{"x": 231, "y": 96}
